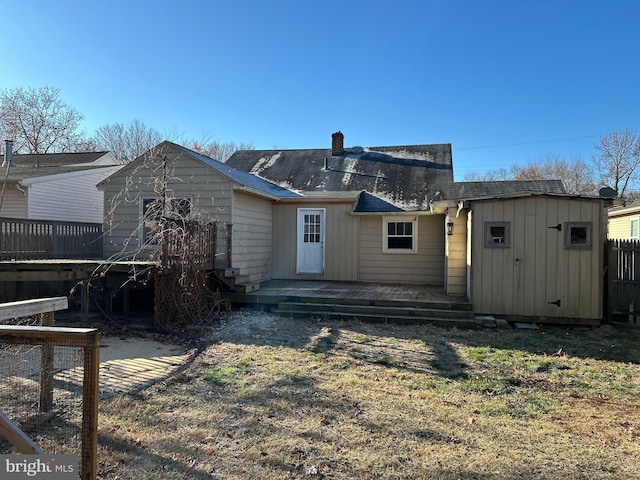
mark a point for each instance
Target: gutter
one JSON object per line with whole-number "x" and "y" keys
{"x": 258, "y": 193}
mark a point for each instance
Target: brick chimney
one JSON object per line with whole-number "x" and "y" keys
{"x": 337, "y": 143}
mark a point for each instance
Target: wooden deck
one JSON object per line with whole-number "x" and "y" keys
{"x": 64, "y": 269}
{"x": 276, "y": 291}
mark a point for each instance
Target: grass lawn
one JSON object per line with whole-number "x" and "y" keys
{"x": 274, "y": 398}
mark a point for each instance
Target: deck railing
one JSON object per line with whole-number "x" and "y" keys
{"x": 42, "y": 239}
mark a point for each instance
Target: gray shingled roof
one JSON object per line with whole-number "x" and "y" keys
{"x": 406, "y": 177}
{"x": 24, "y": 166}
{"x": 53, "y": 159}
{"x": 470, "y": 190}
{"x": 242, "y": 178}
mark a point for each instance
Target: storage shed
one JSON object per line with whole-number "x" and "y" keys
{"x": 538, "y": 256}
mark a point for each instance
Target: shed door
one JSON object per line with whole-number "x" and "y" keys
{"x": 527, "y": 262}
{"x": 310, "y": 240}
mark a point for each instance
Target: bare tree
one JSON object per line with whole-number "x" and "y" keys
{"x": 576, "y": 175}
{"x": 490, "y": 176}
{"x": 174, "y": 233}
{"x": 618, "y": 159}
{"x": 220, "y": 151}
{"x": 38, "y": 121}
{"x": 127, "y": 142}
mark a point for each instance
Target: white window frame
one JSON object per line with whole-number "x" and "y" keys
{"x": 637, "y": 222}
{"x": 414, "y": 234}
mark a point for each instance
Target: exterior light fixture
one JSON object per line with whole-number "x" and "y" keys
{"x": 449, "y": 228}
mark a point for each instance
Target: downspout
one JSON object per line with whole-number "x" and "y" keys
{"x": 8, "y": 155}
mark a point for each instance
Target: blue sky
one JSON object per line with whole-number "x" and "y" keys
{"x": 505, "y": 82}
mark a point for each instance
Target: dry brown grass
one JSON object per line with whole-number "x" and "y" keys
{"x": 278, "y": 398}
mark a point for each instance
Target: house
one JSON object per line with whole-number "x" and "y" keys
{"x": 239, "y": 202}
{"x": 378, "y": 215}
{"x": 624, "y": 222}
{"x": 55, "y": 186}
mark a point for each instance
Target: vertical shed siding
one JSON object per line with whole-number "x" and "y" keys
{"x": 537, "y": 269}
{"x": 252, "y": 236}
{"x": 427, "y": 266}
{"x": 14, "y": 203}
{"x": 210, "y": 192}
{"x": 340, "y": 248}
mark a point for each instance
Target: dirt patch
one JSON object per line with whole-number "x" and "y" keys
{"x": 129, "y": 364}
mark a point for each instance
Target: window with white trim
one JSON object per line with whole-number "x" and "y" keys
{"x": 151, "y": 213}
{"x": 633, "y": 230}
{"x": 399, "y": 235}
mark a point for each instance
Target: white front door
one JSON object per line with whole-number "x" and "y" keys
{"x": 310, "y": 240}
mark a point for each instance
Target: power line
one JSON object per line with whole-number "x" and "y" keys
{"x": 529, "y": 143}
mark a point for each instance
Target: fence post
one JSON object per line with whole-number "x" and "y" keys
{"x": 90, "y": 394}
{"x": 46, "y": 367}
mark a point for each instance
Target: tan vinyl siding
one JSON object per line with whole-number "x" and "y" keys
{"x": 537, "y": 268}
{"x": 187, "y": 178}
{"x": 456, "y": 254}
{"x": 252, "y": 236}
{"x": 426, "y": 266}
{"x": 620, "y": 226}
{"x": 14, "y": 203}
{"x": 340, "y": 248}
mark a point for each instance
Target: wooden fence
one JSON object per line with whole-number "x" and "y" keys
{"x": 42, "y": 239}
{"x": 623, "y": 280}
{"x": 48, "y": 337}
{"x": 188, "y": 244}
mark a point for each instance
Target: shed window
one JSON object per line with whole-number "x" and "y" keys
{"x": 633, "y": 232}
{"x": 497, "y": 234}
{"x": 399, "y": 236}
{"x": 176, "y": 208}
{"x": 578, "y": 235}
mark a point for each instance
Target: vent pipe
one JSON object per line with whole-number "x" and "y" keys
{"x": 8, "y": 153}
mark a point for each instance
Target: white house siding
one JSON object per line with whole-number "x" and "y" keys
{"x": 537, "y": 268}
{"x": 424, "y": 267}
{"x": 187, "y": 178}
{"x": 252, "y": 236}
{"x": 68, "y": 197}
{"x": 14, "y": 203}
{"x": 340, "y": 248}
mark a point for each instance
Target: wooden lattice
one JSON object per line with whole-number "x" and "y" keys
{"x": 182, "y": 294}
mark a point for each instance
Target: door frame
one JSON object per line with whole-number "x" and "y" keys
{"x": 300, "y": 236}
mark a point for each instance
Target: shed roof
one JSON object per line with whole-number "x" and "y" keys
{"x": 470, "y": 190}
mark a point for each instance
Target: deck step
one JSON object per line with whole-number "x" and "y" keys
{"x": 247, "y": 287}
{"x": 400, "y": 315}
{"x": 377, "y": 310}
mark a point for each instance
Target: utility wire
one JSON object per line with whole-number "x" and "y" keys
{"x": 528, "y": 143}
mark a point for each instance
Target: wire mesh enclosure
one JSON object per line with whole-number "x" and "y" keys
{"x": 49, "y": 388}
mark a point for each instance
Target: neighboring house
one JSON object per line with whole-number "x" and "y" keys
{"x": 624, "y": 222}
{"x": 55, "y": 186}
{"x": 379, "y": 215}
